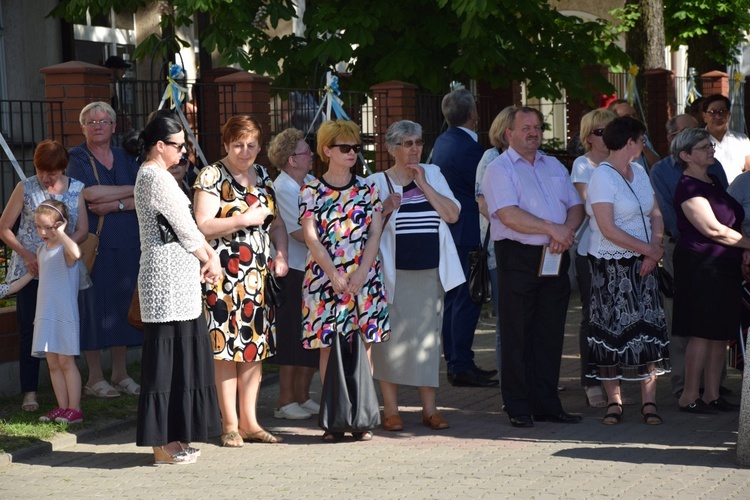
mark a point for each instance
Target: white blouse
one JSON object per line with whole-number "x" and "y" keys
{"x": 169, "y": 277}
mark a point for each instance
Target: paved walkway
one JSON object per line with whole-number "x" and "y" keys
{"x": 480, "y": 456}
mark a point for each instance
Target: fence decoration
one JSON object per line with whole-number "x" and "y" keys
{"x": 737, "y": 98}
{"x": 12, "y": 157}
{"x": 692, "y": 89}
{"x": 631, "y": 91}
{"x": 175, "y": 93}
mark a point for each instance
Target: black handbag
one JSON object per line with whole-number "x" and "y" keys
{"x": 349, "y": 401}
{"x": 480, "y": 287}
{"x": 274, "y": 290}
{"x": 166, "y": 232}
{"x": 666, "y": 282}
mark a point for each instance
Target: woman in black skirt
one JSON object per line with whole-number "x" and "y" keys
{"x": 707, "y": 271}
{"x": 178, "y": 402}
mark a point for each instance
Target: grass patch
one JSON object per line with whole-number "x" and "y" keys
{"x": 19, "y": 429}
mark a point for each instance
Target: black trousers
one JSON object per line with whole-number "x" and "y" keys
{"x": 532, "y": 314}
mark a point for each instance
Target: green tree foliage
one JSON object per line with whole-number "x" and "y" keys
{"x": 425, "y": 42}
{"x": 712, "y": 27}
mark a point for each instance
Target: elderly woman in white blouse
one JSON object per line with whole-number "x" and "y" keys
{"x": 420, "y": 263}
{"x": 178, "y": 402}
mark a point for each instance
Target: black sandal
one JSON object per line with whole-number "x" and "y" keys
{"x": 613, "y": 418}
{"x": 651, "y": 418}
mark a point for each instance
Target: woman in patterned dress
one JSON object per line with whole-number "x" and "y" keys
{"x": 628, "y": 332}
{"x": 340, "y": 214}
{"x": 235, "y": 208}
{"x": 50, "y": 181}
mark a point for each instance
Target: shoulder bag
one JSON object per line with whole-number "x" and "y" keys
{"x": 90, "y": 247}
{"x": 665, "y": 280}
{"x": 480, "y": 287}
{"x": 349, "y": 401}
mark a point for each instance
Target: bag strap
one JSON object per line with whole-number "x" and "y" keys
{"x": 98, "y": 182}
{"x": 486, "y": 239}
{"x": 390, "y": 191}
{"x": 643, "y": 217}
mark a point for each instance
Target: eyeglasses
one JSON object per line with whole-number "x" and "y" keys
{"x": 408, "y": 144}
{"x": 307, "y": 153}
{"x": 179, "y": 146}
{"x": 717, "y": 112}
{"x": 598, "y": 132}
{"x": 93, "y": 123}
{"x": 708, "y": 147}
{"x": 345, "y": 148}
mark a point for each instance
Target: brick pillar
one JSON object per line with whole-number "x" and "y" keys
{"x": 76, "y": 84}
{"x": 247, "y": 94}
{"x": 660, "y": 106}
{"x": 715, "y": 82}
{"x": 209, "y": 114}
{"x": 392, "y": 101}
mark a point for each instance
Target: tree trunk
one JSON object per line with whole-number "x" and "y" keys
{"x": 645, "y": 42}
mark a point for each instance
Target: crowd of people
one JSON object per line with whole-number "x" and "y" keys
{"x": 385, "y": 258}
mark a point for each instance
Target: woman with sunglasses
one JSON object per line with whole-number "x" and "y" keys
{"x": 235, "y": 208}
{"x": 420, "y": 262}
{"x": 707, "y": 271}
{"x": 592, "y": 130}
{"x": 341, "y": 218}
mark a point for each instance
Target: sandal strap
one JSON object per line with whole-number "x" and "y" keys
{"x": 610, "y": 405}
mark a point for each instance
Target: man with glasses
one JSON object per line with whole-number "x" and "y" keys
{"x": 664, "y": 177}
{"x": 732, "y": 148}
{"x": 457, "y": 153}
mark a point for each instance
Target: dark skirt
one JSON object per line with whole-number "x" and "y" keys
{"x": 708, "y": 296}
{"x": 178, "y": 400}
{"x": 289, "y": 350}
{"x": 628, "y": 332}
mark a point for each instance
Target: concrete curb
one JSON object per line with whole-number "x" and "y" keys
{"x": 66, "y": 440}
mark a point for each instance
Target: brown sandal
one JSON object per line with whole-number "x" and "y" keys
{"x": 232, "y": 439}
{"x": 261, "y": 436}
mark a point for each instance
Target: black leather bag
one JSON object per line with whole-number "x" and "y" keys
{"x": 166, "y": 232}
{"x": 480, "y": 288}
{"x": 274, "y": 290}
{"x": 349, "y": 402}
{"x": 666, "y": 282}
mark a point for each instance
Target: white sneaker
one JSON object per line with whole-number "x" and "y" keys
{"x": 292, "y": 411}
{"x": 311, "y": 406}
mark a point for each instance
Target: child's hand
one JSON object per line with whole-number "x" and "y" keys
{"x": 60, "y": 226}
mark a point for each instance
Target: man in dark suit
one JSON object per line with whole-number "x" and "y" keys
{"x": 457, "y": 153}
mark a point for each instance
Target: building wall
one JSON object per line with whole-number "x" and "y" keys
{"x": 31, "y": 42}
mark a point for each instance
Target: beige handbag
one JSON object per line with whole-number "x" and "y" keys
{"x": 90, "y": 246}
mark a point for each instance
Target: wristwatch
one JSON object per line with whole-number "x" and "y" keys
{"x": 120, "y": 206}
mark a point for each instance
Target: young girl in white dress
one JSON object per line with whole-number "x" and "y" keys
{"x": 56, "y": 325}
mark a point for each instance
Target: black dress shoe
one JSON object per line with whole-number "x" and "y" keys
{"x": 722, "y": 404}
{"x": 472, "y": 379}
{"x": 559, "y": 418}
{"x": 485, "y": 373}
{"x": 521, "y": 421}
{"x": 699, "y": 407}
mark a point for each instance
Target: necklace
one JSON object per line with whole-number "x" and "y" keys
{"x": 398, "y": 177}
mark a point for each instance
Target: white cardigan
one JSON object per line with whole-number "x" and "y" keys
{"x": 449, "y": 267}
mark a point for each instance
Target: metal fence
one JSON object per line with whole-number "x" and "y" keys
{"x": 24, "y": 124}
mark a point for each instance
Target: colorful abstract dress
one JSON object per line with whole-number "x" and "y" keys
{"x": 240, "y": 325}
{"x": 342, "y": 217}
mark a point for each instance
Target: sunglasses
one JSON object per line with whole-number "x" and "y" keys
{"x": 177, "y": 145}
{"x": 717, "y": 112}
{"x": 345, "y": 148}
{"x": 598, "y": 132}
{"x": 408, "y": 144}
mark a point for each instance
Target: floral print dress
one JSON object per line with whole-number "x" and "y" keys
{"x": 240, "y": 325}
{"x": 342, "y": 217}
